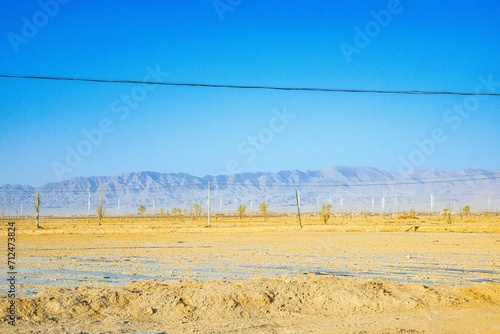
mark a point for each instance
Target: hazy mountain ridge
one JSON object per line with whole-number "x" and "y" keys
{"x": 346, "y": 188}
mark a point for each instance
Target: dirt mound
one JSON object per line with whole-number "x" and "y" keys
{"x": 308, "y": 303}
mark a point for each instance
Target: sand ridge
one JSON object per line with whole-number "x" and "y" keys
{"x": 307, "y": 303}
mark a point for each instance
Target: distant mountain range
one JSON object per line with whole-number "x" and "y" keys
{"x": 348, "y": 189}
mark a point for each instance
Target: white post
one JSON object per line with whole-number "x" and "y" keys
{"x": 88, "y": 206}
{"x": 118, "y": 204}
{"x": 383, "y": 202}
{"x": 337, "y": 202}
{"x": 432, "y": 203}
{"x": 153, "y": 207}
{"x": 489, "y": 204}
{"x": 208, "y": 203}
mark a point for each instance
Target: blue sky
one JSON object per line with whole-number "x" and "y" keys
{"x": 56, "y": 130}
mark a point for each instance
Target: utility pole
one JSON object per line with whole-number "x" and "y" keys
{"x": 298, "y": 205}
{"x": 208, "y": 203}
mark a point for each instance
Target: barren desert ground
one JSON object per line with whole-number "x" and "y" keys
{"x": 352, "y": 275}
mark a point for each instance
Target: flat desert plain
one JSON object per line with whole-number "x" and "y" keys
{"x": 355, "y": 274}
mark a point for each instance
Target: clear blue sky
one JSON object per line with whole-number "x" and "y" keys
{"x": 422, "y": 45}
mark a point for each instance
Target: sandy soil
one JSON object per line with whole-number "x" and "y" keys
{"x": 152, "y": 275}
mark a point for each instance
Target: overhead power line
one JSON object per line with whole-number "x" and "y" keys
{"x": 261, "y": 87}
{"x": 216, "y": 185}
